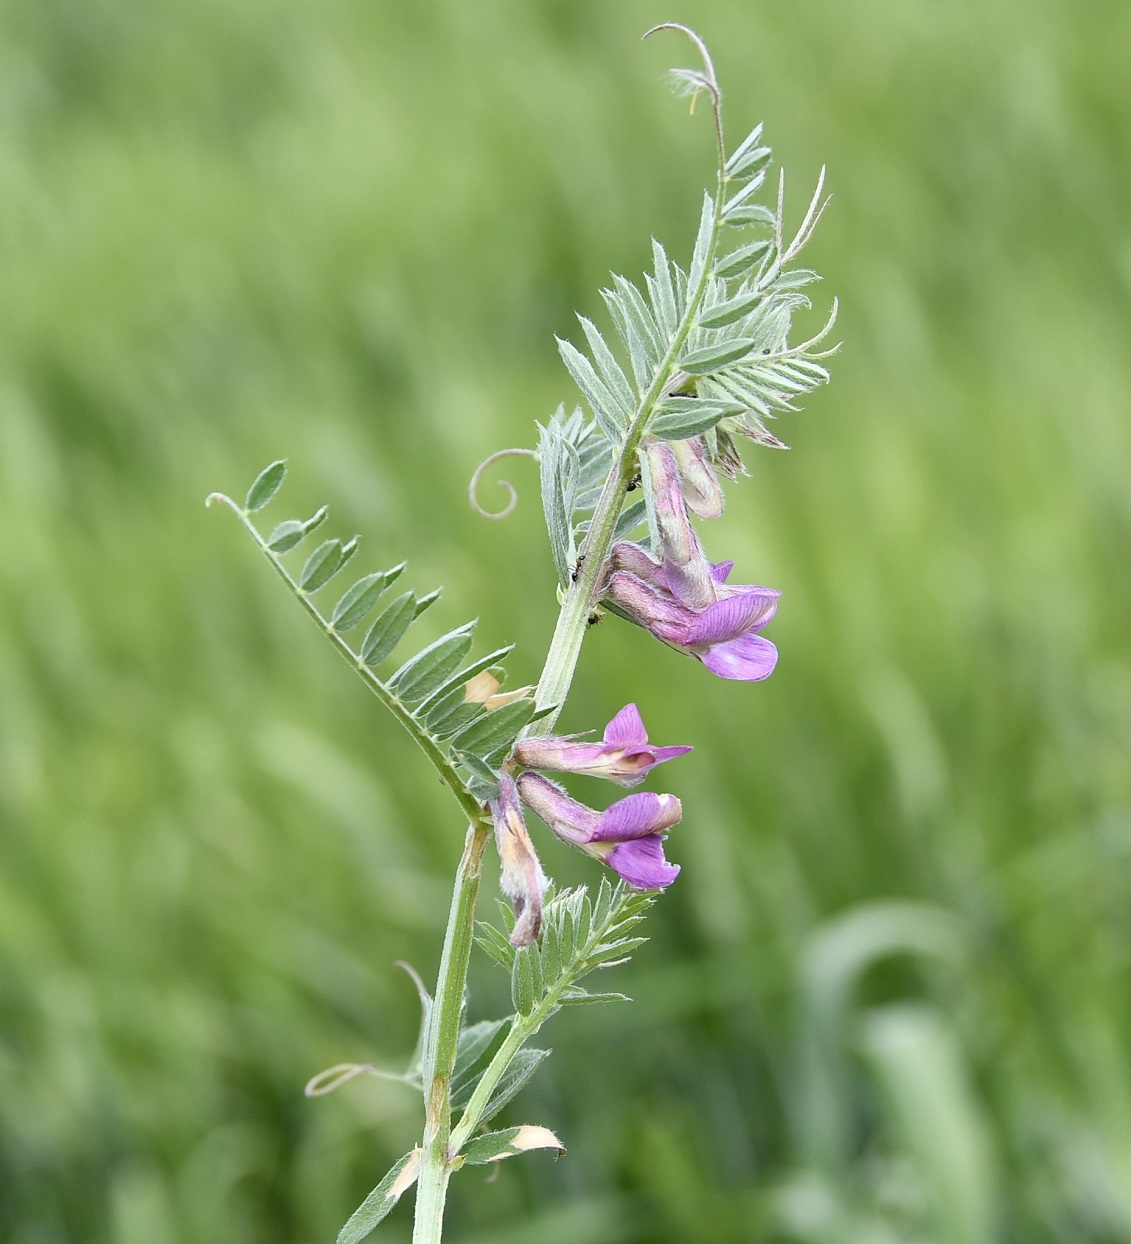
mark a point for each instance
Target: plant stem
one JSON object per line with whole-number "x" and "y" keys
{"x": 522, "y": 1029}
{"x": 565, "y": 647}
{"x": 440, "y": 1044}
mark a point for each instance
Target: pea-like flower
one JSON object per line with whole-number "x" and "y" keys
{"x": 624, "y": 755}
{"x": 723, "y": 635}
{"x": 684, "y": 599}
{"x": 522, "y": 880}
{"x": 629, "y": 836}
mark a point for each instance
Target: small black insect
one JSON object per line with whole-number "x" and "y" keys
{"x": 593, "y": 618}
{"x": 634, "y": 483}
{"x": 576, "y": 568}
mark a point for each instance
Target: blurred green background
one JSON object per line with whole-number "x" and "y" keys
{"x": 888, "y": 999}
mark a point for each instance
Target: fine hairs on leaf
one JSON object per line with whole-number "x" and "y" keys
{"x": 699, "y": 356}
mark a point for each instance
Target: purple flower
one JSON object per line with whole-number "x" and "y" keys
{"x": 722, "y": 634}
{"x": 628, "y": 836}
{"x": 625, "y": 756}
{"x": 523, "y": 880}
{"x": 684, "y": 599}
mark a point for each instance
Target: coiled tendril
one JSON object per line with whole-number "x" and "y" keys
{"x": 512, "y": 501}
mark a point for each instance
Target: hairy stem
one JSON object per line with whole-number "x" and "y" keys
{"x": 440, "y": 1044}
{"x": 522, "y": 1029}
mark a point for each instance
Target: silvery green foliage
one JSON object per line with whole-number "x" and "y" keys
{"x": 433, "y": 693}
{"x": 581, "y": 934}
{"x": 732, "y": 368}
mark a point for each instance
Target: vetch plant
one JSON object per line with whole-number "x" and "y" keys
{"x": 705, "y": 363}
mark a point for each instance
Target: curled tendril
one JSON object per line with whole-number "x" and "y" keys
{"x": 334, "y": 1077}
{"x": 473, "y": 487}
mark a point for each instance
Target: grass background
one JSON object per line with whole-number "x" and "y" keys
{"x": 888, "y": 998}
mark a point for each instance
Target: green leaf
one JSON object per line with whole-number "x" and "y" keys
{"x": 459, "y": 681}
{"x": 579, "y": 997}
{"x": 286, "y": 536}
{"x": 691, "y": 416}
{"x": 495, "y": 944}
{"x": 742, "y": 260}
{"x": 267, "y": 484}
{"x": 357, "y": 602}
{"x": 748, "y": 143}
{"x": 629, "y": 334}
{"x": 425, "y": 602}
{"x": 452, "y": 714}
{"x": 495, "y": 729}
{"x": 386, "y": 632}
{"x": 651, "y": 334}
{"x": 712, "y": 358}
{"x": 472, "y": 1048}
{"x": 381, "y": 1200}
{"x": 795, "y": 278}
{"x": 473, "y": 1042}
{"x": 615, "y": 952}
{"x": 702, "y": 242}
{"x": 422, "y": 674}
{"x": 321, "y": 565}
{"x": 522, "y": 1067}
{"x": 551, "y": 954}
{"x": 743, "y": 196}
{"x": 752, "y": 214}
{"x": 729, "y": 312}
{"x": 317, "y": 519}
{"x": 749, "y": 162}
{"x": 615, "y": 379}
{"x": 484, "y": 780}
{"x": 605, "y": 407}
{"x": 664, "y": 295}
{"x": 630, "y": 519}
{"x": 554, "y": 471}
{"x": 523, "y": 993}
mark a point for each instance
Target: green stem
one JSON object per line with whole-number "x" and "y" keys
{"x": 444, "y": 1021}
{"x": 522, "y": 1029}
{"x": 440, "y": 1044}
{"x": 582, "y": 595}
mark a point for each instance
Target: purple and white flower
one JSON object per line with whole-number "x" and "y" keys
{"x": 624, "y": 755}
{"x": 684, "y": 599}
{"x": 628, "y": 836}
{"x": 522, "y": 880}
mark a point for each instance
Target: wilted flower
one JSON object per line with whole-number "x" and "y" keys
{"x": 522, "y": 880}
{"x": 698, "y": 481}
{"x": 684, "y": 599}
{"x": 624, "y": 756}
{"x": 627, "y": 836}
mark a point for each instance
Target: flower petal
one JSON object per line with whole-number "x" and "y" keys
{"x": 558, "y": 753}
{"x": 522, "y": 879}
{"x": 660, "y": 754}
{"x": 642, "y": 864}
{"x": 647, "y": 605}
{"x": 749, "y": 658}
{"x": 720, "y": 571}
{"x": 735, "y": 615}
{"x": 698, "y": 481}
{"x": 626, "y": 729}
{"x": 571, "y": 821}
{"x": 636, "y": 560}
{"x": 635, "y": 816}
